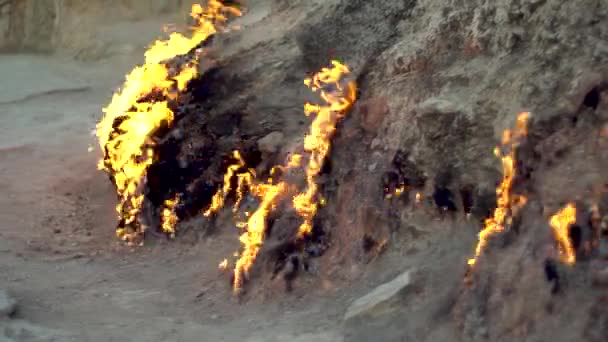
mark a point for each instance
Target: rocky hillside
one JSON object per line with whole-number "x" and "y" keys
{"x": 438, "y": 84}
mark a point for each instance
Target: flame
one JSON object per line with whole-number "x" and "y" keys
{"x": 255, "y": 229}
{"x": 255, "y": 226}
{"x": 244, "y": 179}
{"x": 168, "y": 217}
{"x": 126, "y": 129}
{"x": 317, "y": 143}
{"x": 337, "y": 102}
{"x": 223, "y": 265}
{"x": 397, "y": 192}
{"x": 506, "y": 204}
{"x": 560, "y": 222}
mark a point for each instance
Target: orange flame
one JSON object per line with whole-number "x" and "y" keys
{"x": 244, "y": 179}
{"x": 169, "y": 218}
{"x": 560, "y": 222}
{"x": 398, "y": 191}
{"x": 223, "y": 265}
{"x": 506, "y": 204}
{"x": 317, "y": 142}
{"x": 125, "y": 130}
{"x": 255, "y": 227}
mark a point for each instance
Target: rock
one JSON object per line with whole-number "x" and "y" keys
{"x": 372, "y": 317}
{"x": 436, "y": 105}
{"x": 8, "y": 304}
{"x": 380, "y": 297}
{"x": 373, "y": 112}
{"x": 600, "y": 277}
{"x": 271, "y": 143}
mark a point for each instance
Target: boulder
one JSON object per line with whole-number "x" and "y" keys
{"x": 271, "y": 143}
{"x": 8, "y": 304}
{"x": 376, "y": 316}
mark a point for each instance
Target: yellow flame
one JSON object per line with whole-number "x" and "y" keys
{"x": 506, "y": 204}
{"x": 560, "y": 222}
{"x": 253, "y": 238}
{"x": 317, "y": 142}
{"x": 125, "y": 130}
{"x": 244, "y": 179}
{"x": 168, "y": 217}
{"x": 223, "y": 265}
{"x": 397, "y": 192}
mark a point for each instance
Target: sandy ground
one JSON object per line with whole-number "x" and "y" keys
{"x": 58, "y": 255}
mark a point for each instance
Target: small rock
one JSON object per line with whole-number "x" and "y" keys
{"x": 376, "y": 143}
{"x": 436, "y": 105}
{"x": 600, "y": 277}
{"x": 271, "y": 143}
{"x": 8, "y": 304}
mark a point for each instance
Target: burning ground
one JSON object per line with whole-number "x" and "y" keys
{"x": 362, "y": 135}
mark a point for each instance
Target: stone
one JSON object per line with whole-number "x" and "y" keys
{"x": 373, "y": 112}
{"x": 271, "y": 143}
{"x": 8, "y": 304}
{"x": 381, "y": 298}
{"x": 600, "y": 277}
{"x": 436, "y": 105}
{"x": 379, "y": 315}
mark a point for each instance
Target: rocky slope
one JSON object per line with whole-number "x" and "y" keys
{"x": 439, "y": 82}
